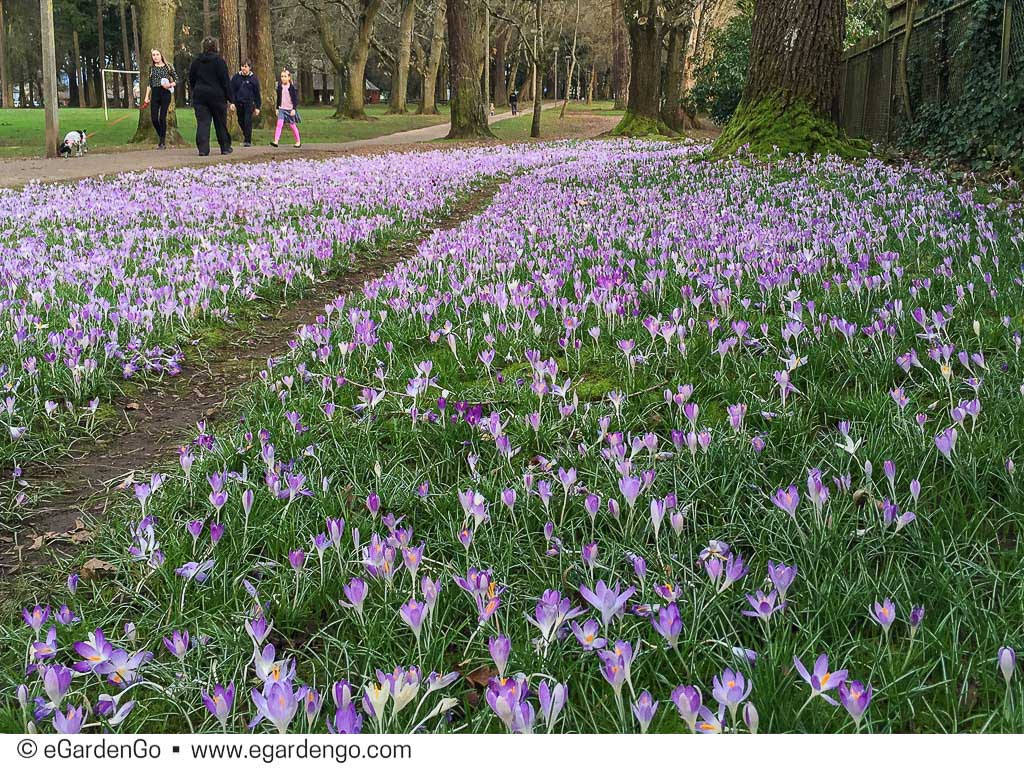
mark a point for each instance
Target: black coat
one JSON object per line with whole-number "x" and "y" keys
{"x": 208, "y": 79}
{"x": 246, "y": 89}
{"x": 293, "y": 91}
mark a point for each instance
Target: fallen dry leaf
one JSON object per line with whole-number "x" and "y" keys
{"x": 132, "y": 407}
{"x": 95, "y": 568}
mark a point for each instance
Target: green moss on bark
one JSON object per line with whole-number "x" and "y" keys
{"x": 633, "y": 124}
{"x": 777, "y": 125}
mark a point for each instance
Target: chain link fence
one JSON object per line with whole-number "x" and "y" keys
{"x": 927, "y": 58}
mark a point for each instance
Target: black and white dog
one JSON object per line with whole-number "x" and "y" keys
{"x": 76, "y": 142}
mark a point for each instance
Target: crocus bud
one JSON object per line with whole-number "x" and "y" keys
{"x": 1007, "y": 662}
{"x": 750, "y": 717}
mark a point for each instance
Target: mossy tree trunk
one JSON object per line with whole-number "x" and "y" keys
{"x": 428, "y": 106}
{"x": 791, "y": 94}
{"x": 466, "y": 56}
{"x": 646, "y": 28}
{"x": 156, "y": 30}
{"x": 261, "y": 51}
{"x": 400, "y": 85}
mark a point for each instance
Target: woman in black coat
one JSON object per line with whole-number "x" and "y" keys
{"x": 211, "y": 97}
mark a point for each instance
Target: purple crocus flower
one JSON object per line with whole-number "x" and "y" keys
{"x": 356, "y": 591}
{"x": 177, "y": 644}
{"x": 946, "y": 442}
{"x": 644, "y": 709}
{"x": 787, "y": 499}
{"x": 500, "y": 648}
{"x": 587, "y": 635}
{"x": 731, "y": 689}
{"x": 36, "y": 617}
{"x": 69, "y": 723}
{"x": 820, "y": 678}
{"x": 668, "y": 623}
{"x": 687, "y": 699}
{"x": 764, "y": 605}
{"x": 277, "y": 703}
{"x": 855, "y": 698}
{"x": 609, "y": 601}
{"x": 885, "y": 614}
{"x": 552, "y": 700}
{"x": 782, "y": 576}
{"x": 414, "y": 613}
{"x": 220, "y": 702}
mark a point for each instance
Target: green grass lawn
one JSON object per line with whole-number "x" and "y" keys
{"x": 519, "y": 127}
{"x": 22, "y": 132}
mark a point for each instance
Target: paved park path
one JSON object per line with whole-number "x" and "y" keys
{"x": 19, "y": 171}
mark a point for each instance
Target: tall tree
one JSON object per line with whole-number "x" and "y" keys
{"x": 467, "y": 56}
{"x": 674, "y": 111}
{"x": 500, "y": 49}
{"x": 76, "y": 50}
{"x": 229, "y": 40}
{"x": 261, "y": 52}
{"x": 791, "y": 94}
{"x": 355, "y": 64}
{"x": 646, "y": 27}
{"x": 428, "y": 105}
{"x": 102, "y": 48}
{"x": 156, "y": 28}
{"x": 620, "y": 55}
{"x": 6, "y": 86}
{"x": 400, "y": 82}
{"x": 126, "y": 54}
{"x": 325, "y": 31}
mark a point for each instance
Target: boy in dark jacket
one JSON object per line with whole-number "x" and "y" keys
{"x": 211, "y": 95}
{"x": 246, "y": 88}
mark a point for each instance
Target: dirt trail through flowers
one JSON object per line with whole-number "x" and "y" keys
{"x": 153, "y": 423}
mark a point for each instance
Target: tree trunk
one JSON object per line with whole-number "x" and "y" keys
{"x": 537, "y": 55}
{"x": 229, "y": 42}
{"x": 230, "y": 50}
{"x": 674, "y": 112}
{"x": 325, "y": 32}
{"x": 620, "y": 56}
{"x": 466, "y": 57}
{"x": 6, "y": 86}
{"x": 590, "y": 83}
{"x": 206, "y": 18}
{"x": 156, "y": 23}
{"x": 400, "y": 83}
{"x": 428, "y": 106}
{"x": 500, "y": 87}
{"x": 791, "y": 95}
{"x": 79, "y": 85}
{"x": 126, "y": 55}
{"x": 646, "y": 28}
{"x": 261, "y": 52}
{"x": 101, "y": 45}
{"x": 513, "y": 74}
{"x": 572, "y": 62}
{"x": 355, "y": 98}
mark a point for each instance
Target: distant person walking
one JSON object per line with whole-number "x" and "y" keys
{"x": 287, "y": 101}
{"x": 211, "y": 97}
{"x": 159, "y": 91}
{"x": 246, "y": 89}
{"x": 513, "y": 102}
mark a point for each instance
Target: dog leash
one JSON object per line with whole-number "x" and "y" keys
{"x": 111, "y": 124}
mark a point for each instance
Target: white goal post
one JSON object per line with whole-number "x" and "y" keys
{"x": 103, "y": 85}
